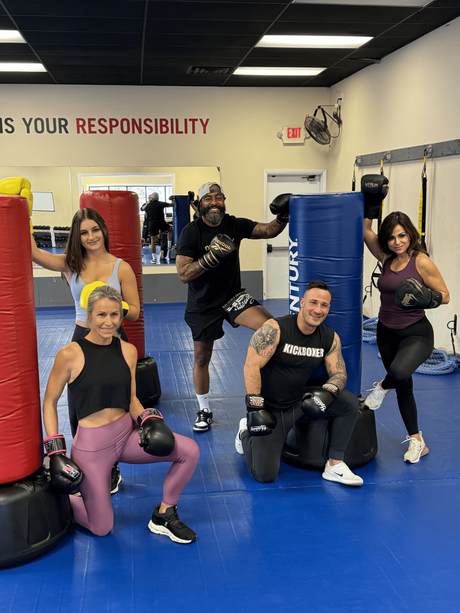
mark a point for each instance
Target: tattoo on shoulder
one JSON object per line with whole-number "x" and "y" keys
{"x": 262, "y": 340}
{"x": 334, "y": 346}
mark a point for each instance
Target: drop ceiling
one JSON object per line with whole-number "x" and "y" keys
{"x": 201, "y": 43}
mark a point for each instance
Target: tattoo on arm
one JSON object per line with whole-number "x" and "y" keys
{"x": 335, "y": 365}
{"x": 267, "y": 230}
{"x": 263, "y": 340}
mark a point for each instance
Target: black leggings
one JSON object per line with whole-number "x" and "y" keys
{"x": 402, "y": 353}
{"x": 81, "y": 332}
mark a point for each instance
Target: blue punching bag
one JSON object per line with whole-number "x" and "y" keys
{"x": 181, "y": 216}
{"x": 326, "y": 243}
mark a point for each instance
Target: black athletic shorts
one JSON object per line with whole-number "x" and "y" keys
{"x": 208, "y": 327}
{"x": 155, "y": 227}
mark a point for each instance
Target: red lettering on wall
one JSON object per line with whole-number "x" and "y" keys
{"x": 137, "y": 126}
{"x": 164, "y": 126}
{"x": 103, "y": 125}
{"x": 204, "y": 124}
{"x": 125, "y": 126}
{"x": 91, "y": 125}
{"x": 80, "y": 125}
{"x": 148, "y": 126}
{"x": 113, "y": 123}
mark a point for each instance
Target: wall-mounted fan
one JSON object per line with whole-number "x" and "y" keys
{"x": 317, "y": 128}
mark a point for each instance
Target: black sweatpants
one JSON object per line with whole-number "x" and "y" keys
{"x": 263, "y": 453}
{"x": 402, "y": 353}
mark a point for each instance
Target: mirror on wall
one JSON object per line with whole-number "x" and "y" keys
{"x": 63, "y": 185}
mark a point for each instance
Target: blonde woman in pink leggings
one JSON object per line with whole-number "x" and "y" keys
{"x": 112, "y": 425}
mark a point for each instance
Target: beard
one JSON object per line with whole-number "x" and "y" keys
{"x": 214, "y": 217}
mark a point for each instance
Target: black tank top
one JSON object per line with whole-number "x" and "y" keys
{"x": 285, "y": 376}
{"x": 105, "y": 380}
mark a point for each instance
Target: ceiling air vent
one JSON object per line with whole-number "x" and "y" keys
{"x": 208, "y": 70}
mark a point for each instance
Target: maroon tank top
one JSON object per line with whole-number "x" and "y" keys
{"x": 391, "y": 315}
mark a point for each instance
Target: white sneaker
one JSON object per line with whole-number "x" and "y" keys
{"x": 375, "y": 398}
{"x": 153, "y": 260}
{"x": 243, "y": 425}
{"x": 341, "y": 474}
{"x": 416, "y": 450}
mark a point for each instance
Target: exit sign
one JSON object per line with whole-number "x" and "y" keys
{"x": 292, "y": 134}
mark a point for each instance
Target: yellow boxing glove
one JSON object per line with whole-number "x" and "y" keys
{"x": 86, "y": 291}
{"x": 21, "y": 187}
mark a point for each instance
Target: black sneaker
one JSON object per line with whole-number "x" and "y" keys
{"x": 203, "y": 420}
{"x": 115, "y": 479}
{"x": 169, "y": 524}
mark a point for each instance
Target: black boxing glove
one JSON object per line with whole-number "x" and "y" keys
{"x": 280, "y": 208}
{"x": 155, "y": 437}
{"x": 411, "y": 294}
{"x": 220, "y": 247}
{"x": 260, "y": 421}
{"x": 375, "y": 190}
{"x": 316, "y": 400}
{"x": 65, "y": 474}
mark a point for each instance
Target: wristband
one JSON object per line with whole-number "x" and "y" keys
{"x": 146, "y": 413}
{"x": 55, "y": 444}
{"x": 331, "y": 387}
{"x": 254, "y": 402}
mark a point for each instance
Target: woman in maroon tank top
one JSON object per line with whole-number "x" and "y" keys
{"x": 404, "y": 335}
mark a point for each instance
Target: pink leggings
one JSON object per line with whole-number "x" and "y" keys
{"x": 95, "y": 450}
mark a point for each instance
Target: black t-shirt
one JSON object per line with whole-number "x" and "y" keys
{"x": 154, "y": 212}
{"x": 285, "y": 376}
{"x": 216, "y": 286}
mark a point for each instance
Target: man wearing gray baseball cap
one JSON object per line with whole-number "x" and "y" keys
{"x": 208, "y": 261}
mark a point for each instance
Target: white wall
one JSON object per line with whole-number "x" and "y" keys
{"x": 410, "y": 98}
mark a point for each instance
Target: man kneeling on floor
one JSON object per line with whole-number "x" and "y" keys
{"x": 282, "y": 355}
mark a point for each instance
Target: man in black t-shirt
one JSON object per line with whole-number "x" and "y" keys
{"x": 154, "y": 213}
{"x": 208, "y": 261}
{"x": 282, "y": 356}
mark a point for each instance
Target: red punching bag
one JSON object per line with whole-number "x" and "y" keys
{"x": 120, "y": 210}
{"x": 21, "y": 445}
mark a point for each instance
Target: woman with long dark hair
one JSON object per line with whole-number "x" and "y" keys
{"x": 87, "y": 259}
{"x": 410, "y": 283}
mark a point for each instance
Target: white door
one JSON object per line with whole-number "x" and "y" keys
{"x": 276, "y": 250}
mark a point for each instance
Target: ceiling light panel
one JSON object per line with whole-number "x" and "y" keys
{"x": 11, "y": 36}
{"x": 374, "y": 3}
{"x": 21, "y": 67}
{"x": 277, "y": 71}
{"x": 313, "y": 42}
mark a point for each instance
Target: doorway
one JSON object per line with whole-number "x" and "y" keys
{"x": 276, "y": 250}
